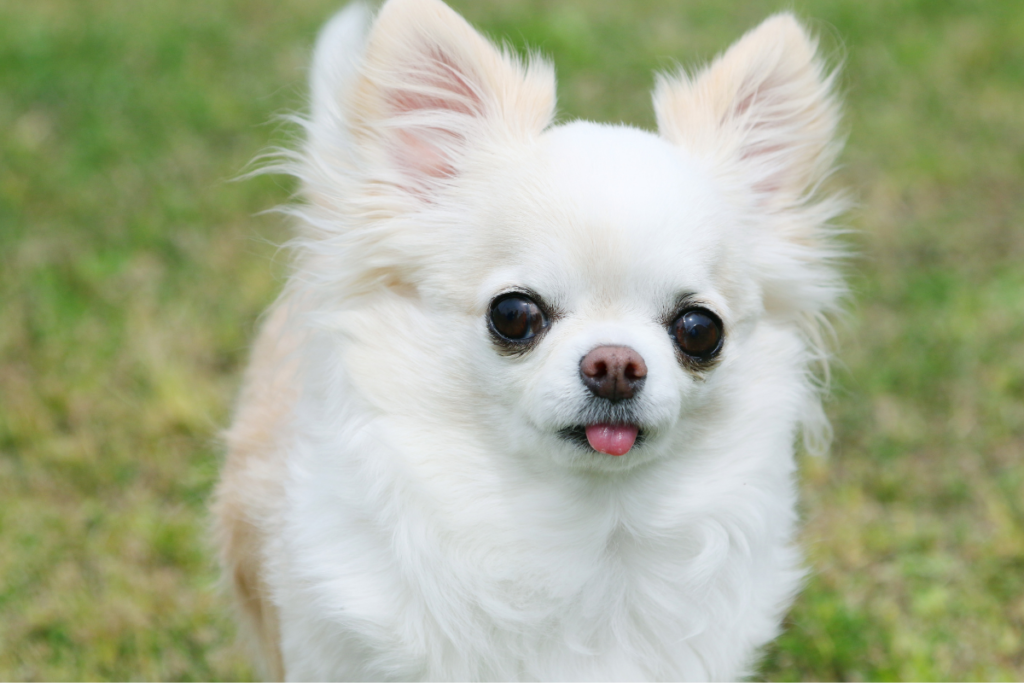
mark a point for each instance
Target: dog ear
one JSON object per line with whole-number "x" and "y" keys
{"x": 764, "y": 108}
{"x": 428, "y": 89}
{"x": 336, "y": 58}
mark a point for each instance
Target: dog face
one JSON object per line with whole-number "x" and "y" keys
{"x": 588, "y": 295}
{"x": 613, "y": 297}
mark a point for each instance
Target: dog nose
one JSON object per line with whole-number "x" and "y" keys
{"x": 613, "y": 372}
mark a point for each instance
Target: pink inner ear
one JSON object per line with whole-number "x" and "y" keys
{"x": 439, "y": 85}
{"x": 773, "y": 182}
{"x": 764, "y": 123}
{"x": 441, "y": 96}
{"x": 419, "y": 156}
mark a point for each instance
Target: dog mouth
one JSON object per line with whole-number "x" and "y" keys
{"x": 605, "y": 437}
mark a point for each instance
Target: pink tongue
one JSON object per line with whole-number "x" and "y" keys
{"x": 611, "y": 439}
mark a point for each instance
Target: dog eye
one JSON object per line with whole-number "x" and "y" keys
{"x": 516, "y": 317}
{"x": 698, "y": 332}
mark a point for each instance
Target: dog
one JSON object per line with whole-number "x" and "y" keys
{"x": 529, "y": 403}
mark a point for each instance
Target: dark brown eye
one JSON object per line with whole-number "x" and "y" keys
{"x": 516, "y": 317}
{"x": 698, "y": 332}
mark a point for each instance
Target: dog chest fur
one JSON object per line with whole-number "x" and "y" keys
{"x": 464, "y": 566}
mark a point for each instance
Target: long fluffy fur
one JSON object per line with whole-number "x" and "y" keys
{"x": 397, "y": 502}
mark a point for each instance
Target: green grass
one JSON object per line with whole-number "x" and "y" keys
{"x": 132, "y": 271}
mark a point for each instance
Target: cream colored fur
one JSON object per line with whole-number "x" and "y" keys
{"x": 399, "y": 500}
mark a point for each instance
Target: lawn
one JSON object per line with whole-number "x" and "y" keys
{"x": 133, "y": 270}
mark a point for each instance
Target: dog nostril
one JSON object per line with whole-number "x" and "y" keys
{"x": 613, "y": 372}
{"x": 635, "y": 372}
{"x": 593, "y": 366}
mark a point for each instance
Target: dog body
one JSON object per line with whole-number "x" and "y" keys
{"x": 527, "y": 408}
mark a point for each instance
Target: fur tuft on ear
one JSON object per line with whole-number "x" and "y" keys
{"x": 336, "y": 58}
{"x": 430, "y": 87}
{"x": 765, "y": 109}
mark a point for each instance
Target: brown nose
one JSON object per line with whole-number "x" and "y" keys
{"x": 613, "y": 372}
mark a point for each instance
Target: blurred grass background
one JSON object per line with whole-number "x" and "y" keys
{"x": 132, "y": 271}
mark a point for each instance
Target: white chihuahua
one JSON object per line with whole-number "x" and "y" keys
{"x": 527, "y": 407}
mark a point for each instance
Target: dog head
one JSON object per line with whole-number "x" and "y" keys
{"x": 590, "y": 295}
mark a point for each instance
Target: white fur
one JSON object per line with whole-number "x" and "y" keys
{"x": 436, "y": 526}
